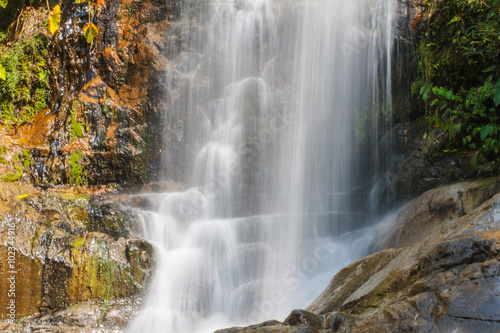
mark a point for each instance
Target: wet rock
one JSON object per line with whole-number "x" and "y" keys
{"x": 271, "y": 326}
{"x": 303, "y": 317}
{"x": 426, "y": 160}
{"x": 338, "y": 322}
{"x": 105, "y": 119}
{"x": 436, "y": 284}
{"x": 62, "y": 248}
{"x": 426, "y": 214}
{"x": 444, "y": 279}
{"x": 267, "y": 324}
{"x": 109, "y": 316}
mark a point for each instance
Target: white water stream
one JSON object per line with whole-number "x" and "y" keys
{"x": 275, "y": 111}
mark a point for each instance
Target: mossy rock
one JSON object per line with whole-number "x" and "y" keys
{"x": 60, "y": 258}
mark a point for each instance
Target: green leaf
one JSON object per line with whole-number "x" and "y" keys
{"x": 496, "y": 99}
{"x": 490, "y": 69}
{"x": 3, "y": 3}
{"x": 497, "y": 86}
{"x": 485, "y": 131}
{"x": 90, "y": 31}
{"x": 2, "y": 72}
{"x": 458, "y": 127}
{"x": 55, "y": 19}
{"x": 449, "y": 95}
{"x": 425, "y": 95}
{"x": 42, "y": 75}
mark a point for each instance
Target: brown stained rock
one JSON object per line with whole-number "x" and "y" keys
{"x": 26, "y": 275}
{"x": 36, "y": 132}
{"x": 62, "y": 255}
{"x": 107, "y": 98}
{"x": 86, "y": 317}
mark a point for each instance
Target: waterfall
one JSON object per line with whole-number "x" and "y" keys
{"x": 274, "y": 115}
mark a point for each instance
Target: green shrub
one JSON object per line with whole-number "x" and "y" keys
{"x": 25, "y": 90}
{"x": 460, "y": 76}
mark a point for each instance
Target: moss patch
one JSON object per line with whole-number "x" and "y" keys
{"x": 26, "y": 89}
{"x": 78, "y": 175}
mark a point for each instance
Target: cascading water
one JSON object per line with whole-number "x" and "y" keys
{"x": 274, "y": 114}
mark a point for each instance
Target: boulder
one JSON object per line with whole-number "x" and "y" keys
{"x": 443, "y": 276}
{"x": 61, "y": 248}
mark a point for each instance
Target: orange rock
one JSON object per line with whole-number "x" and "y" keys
{"x": 77, "y": 144}
{"x": 35, "y": 132}
{"x": 415, "y": 23}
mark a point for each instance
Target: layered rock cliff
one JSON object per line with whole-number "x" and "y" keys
{"x": 89, "y": 128}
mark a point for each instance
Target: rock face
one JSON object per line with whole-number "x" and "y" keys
{"x": 425, "y": 160}
{"x": 104, "y": 115}
{"x": 88, "y": 317}
{"x": 444, "y": 277}
{"x": 59, "y": 248}
{"x": 69, "y": 248}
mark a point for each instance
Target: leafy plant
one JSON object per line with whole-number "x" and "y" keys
{"x": 55, "y": 19}
{"x": 462, "y": 47}
{"x": 90, "y": 31}
{"x": 25, "y": 89}
{"x": 28, "y": 160}
{"x": 469, "y": 117}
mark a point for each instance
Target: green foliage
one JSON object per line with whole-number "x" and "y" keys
{"x": 78, "y": 175}
{"x": 28, "y": 160}
{"x": 76, "y": 130}
{"x": 3, "y": 3}
{"x": 470, "y": 116}
{"x": 25, "y": 90}
{"x": 463, "y": 41}
{"x": 3, "y": 150}
{"x": 107, "y": 110}
{"x": 2, "y": 73}
{"x": 461, "y": 48}
{"x": 102, "y": 271}
{"x": 76, "y": 127}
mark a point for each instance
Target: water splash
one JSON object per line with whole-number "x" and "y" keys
{"x": 274, "y": 115}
